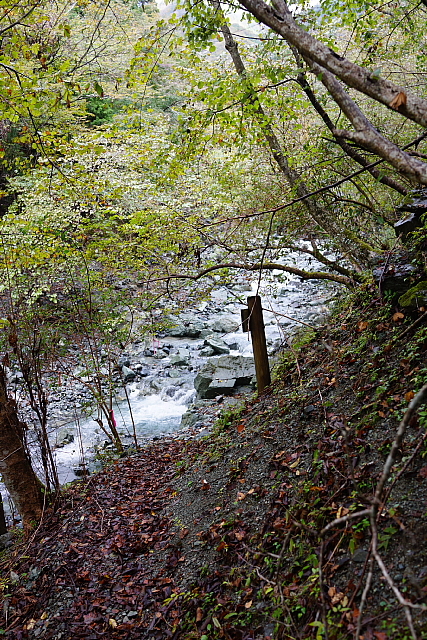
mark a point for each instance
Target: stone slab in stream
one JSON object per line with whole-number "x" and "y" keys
{"x": 223, "y": 375}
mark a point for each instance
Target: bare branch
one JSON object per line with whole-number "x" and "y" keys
{"x": 280, "y": 20}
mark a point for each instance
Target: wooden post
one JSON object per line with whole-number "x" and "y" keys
{"x": 256, "y": 326}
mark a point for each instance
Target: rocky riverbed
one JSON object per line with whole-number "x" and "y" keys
{"x": 179, "y": 382}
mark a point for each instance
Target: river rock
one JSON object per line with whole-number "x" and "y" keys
{"x": 204, "y": 379}
{"x": 63, "y": 437}
{"x": 180, "y": 359}
{"x": 128, "y": 374}
{"x": 220, "y": 387}
{"x": 240, "y": 367}
{"x": 223, "y": 324}
{"x": 224, "y": 375}
{"x": 124, "y": 360}
{"x": 186, "y": 329}
{"x": 206, "y": 352}
{"x": 217, "y": 345}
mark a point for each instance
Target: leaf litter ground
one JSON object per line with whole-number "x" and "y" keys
{"x": 222, "y": 537}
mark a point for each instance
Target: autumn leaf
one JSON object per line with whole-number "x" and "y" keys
{"x": 362, "y": 325}
{"x": 342, "y": 511}
{"x": 380, "y": 635}
{"x": 409, "y": 395}
{"x": 205, "y": 485}
{"x": 199, "y": 614}
{"x": 398, "y": 101}
{"x": 398, "y": 316}
{"x": 240, "y": 428}
{"x": 248, "y": 605}
{"x": 423, "y": 472}
{"x": 112, "y": 623}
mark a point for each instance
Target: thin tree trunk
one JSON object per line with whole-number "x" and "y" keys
{"x": 15, "y": 466}
{"x": 317, "y": 213}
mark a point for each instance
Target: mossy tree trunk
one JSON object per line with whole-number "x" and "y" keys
{"x": 15, "y": 466}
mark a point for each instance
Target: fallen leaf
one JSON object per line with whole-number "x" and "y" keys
{"x": 398, "y": 316}
{"x": 381, "y": 414}
{"x": 240, "y": 495}
{"x": 342, "y": 511}
{"x": 205, "y": 485}
{"x": 423, "y": 472}
{"x": 199, "y": 614}
{"x": 409, "y": 395}
{"x": 112, "y": 623}
{"x": 216, "y": 622}
{"x": 294, "y": 464}
{"x": 362, "y": 325}
{"x": 248, "y": 605}
{"x": 398, "y": 101}
{"x": 183, "y": 533}
{"x": 240, "y": 428}
{"x": 380, "y": 635}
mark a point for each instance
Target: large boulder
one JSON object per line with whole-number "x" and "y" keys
{"x": 240, "y": 367}
{"x": 220, "y": 388}
{"x": 180, "y": 359}
{"x": 415, "y": 296}
{"x": 217, "y": 345}
{"x": 223, "y": 324}
{"x": 186, "y": 329}
{"x": 204, "y": 379}
{"x": 223, "y": 376}
{"x": 128, "y": 374}
{"x": 64, "y": 436}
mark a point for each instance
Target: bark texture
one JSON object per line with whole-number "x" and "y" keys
{"x": 317, "y": 213}
{"x": 280, "y": 19}
{"x": 15, "y": 466}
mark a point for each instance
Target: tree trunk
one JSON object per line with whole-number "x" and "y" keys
{"x": 15, "y": 466}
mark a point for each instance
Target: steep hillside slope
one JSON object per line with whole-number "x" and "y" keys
{"x": 266, "y": 528}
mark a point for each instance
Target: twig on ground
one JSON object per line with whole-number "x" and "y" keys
{"x": 406, "y": 604}
{"x": 322, "y": 593}
{"x": 364, "y": 596}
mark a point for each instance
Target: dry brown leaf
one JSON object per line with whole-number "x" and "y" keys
{"x": 199, "y": 614}
{"x": 240, "y": 428}
{"x": 342, "y": 511}
{"x": 398, "y": 101}
{"x": 398, "y": 316}
{"x": 248, "y": 605}
{"x": 362, "y": 325}
{"x": 409, "y": 395}
{"x": 112, "y": 623}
